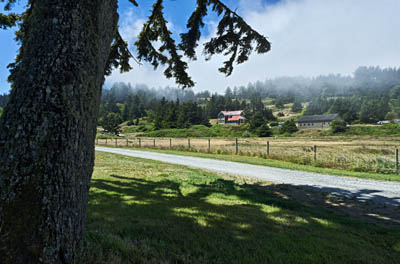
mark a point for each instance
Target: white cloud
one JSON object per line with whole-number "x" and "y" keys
{"x": 309, "y": 37}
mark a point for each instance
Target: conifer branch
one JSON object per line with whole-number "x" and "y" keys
{"x": 9, "y": 20}
{"x": 155, "y": 30}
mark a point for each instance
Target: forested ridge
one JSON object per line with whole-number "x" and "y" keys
{"x": 372, "y": 94}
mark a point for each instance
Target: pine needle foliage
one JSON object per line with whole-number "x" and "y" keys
{"x": 234, "y": 38}
{"x": 9, "y": 20}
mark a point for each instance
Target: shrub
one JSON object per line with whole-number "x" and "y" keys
{"x": 274, "y": 123}
{"x": 263, "y": 131}
{"x": 246, "y": 134}
{"x": 338, "y": 126}
{"x": 288, "y": 127}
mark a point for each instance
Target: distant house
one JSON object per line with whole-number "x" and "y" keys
{"x": 231, "y": 118}
{"x": 317, "y": 121}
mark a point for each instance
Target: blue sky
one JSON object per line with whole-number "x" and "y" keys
{"x": 309, "y": 38}
{"x": 177, "y": 13}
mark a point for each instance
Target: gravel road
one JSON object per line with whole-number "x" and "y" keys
{"x": 377, "y": 191}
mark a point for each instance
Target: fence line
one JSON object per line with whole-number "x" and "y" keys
{"x": 357, "y": 157}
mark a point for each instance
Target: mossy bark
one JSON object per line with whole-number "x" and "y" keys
{"x": 48, "y": 128}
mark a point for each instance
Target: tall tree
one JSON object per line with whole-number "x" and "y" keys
{"x": 48, "y": 127}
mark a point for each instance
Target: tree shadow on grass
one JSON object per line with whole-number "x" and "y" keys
{"x": 134, "y": 220}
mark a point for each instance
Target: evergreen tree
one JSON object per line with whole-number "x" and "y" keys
{"x": 257, "y": 120}
{"x": 279, "y": 102}
{"x": 297, "y": 107}
{"x": 111, "y": 123}
{"x": 228, "y": 92}
{"x": 264, "y": 131}
{"x": 338, "y": 126}
{"x": 318, "y": 106}
{"x": 126, "y": 113}
{"x": 288, "y": 127}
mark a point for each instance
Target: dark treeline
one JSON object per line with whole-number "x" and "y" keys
{"x": 121, "y": 91}
{"x": 372, "y": 94}
{"x": 169, "y": 114}
{"x": 367, "y": 81}
{"x": 121, "y": 104}
{"x": 136, "y": 101}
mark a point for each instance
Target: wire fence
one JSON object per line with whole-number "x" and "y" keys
{"x": 363, "y": 156}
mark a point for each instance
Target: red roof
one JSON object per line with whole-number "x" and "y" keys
{"x": 234, "y": 118}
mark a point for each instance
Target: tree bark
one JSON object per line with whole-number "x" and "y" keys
{"x": 48, "y": 128}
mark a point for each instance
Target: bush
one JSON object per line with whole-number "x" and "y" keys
{"x": 274, "y": 123}
{"x": 264, "y": 131}
{"x": 288, "y": 127}
{"x": 338, "y": 126}
{"x": 246, "y": 134}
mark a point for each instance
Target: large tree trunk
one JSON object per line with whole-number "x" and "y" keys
{"x": 48, "y": 129}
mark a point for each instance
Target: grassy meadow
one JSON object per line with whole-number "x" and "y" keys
{"x": 143, "y": 211}
{"x": 359, "y": 154}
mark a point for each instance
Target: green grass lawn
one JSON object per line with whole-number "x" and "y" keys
{"x": 143, "y": 211}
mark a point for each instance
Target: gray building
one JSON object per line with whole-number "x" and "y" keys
{"x": 317, "y": 121}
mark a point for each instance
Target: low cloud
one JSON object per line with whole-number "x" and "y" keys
{"x": 309, "y": 37}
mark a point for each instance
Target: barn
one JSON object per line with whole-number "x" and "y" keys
{"x": 317, "y": 121}
{"x": 231, "y": 118}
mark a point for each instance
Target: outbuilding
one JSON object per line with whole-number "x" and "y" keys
{"x": 231, "y": 117}
{"x": 317, "y": 121}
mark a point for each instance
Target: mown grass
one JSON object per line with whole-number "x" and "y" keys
{"x": 144, "y": 211}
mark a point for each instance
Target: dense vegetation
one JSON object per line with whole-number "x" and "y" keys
{"x": 372, "y": 94}
{"x": 182, "y": 110}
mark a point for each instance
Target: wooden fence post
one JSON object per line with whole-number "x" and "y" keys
{"x": 267, "y": 148}
{"x": 127, "y": 142}
{"x": 237, "y": 146}
{"x": 154, "y": 142}
{"x": 116, "y": 142}
{"x": 170, "y": 143}
{"x": 97, "y": 141}
{"x": 315, "y": 152}
{"x": 106, "y": 141}
{"x": 140, "y": 142}
{"x": 189, "y": 143}
{"x": 209, "y": 145}
{"x": 397, "y": 160}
